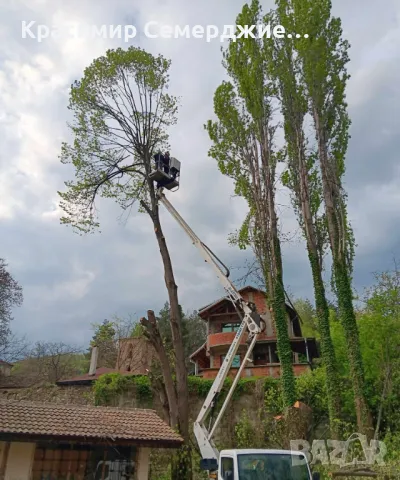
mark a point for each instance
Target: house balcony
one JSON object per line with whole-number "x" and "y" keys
{"x": 226, "y": 338}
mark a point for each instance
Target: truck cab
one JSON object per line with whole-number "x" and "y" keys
{"x": 264, "y": 465}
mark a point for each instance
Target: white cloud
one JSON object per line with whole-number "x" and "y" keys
{"x": 71, "y": 281}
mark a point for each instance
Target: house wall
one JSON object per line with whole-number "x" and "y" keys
{"x": 218, "y": 342}
{"x": 18, "y": 462}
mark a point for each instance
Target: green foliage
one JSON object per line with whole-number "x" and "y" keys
{"x": 382, "y": 317}
{"x": 303, "y": 176}
{"x": 245, "y": 386}
{"x": 194, "y": 332}
{"x": 104, "y": 338}
{"x": 243, "y": 145}
{"x": 307, "y": 314}
{"x": 107, "y": 387}
{"x": 244, "y": 432}
{"x": 137, "y": 331}
{"x": 273, "y": 396}
{"x": 103, "y": 332}
{"x": 10, "y": 296}
{"x": 121, "y": 115}
{"x": 199, "y": 386}
{"x": 311, "y": 389}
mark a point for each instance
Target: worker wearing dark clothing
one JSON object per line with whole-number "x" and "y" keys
{"x": 159, "y": 160}
{"x": 166, "y": 160}
{"x": 163, "y": 164}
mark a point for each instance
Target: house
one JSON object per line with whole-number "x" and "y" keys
{"x": 222, "y": 323}
{"x": 52, "y": 441}
{"x": 135, "y": 356}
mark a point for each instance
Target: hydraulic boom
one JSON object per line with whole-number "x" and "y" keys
{"x": 251, "y": 323}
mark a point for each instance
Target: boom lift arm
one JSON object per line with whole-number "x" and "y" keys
{"x": 251, "y": 322}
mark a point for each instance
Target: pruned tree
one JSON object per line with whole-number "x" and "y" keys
{"x": 303, "y": 179}
{"x": 244, "y": 145}
{"x": 122, "y": 113}
{"x": 322, "y": 60}
{"x": 10, "y": 296}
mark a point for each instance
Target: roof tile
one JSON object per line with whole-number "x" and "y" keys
{"x": 32, "y": 418}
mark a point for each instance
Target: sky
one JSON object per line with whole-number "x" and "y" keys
{"x": 71, "y": 281}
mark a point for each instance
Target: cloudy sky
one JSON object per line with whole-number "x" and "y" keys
{"x": 70, "y": 281}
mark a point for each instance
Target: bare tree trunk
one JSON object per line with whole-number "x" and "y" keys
{"x": 154, "y": 337}
{"x": 182, "y": 463}
{"x": 175, "y": 320}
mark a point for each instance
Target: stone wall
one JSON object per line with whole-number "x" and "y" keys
{"x": 82, "y": 395}
{"x": 78, "y": 395}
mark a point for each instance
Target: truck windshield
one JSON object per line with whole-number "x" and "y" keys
{"x": 271, "y": 466}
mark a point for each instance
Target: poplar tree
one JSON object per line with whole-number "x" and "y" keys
{"x": 243, "y": 143}
{"x": 303, "y": 179}
{"x": 323, "y": 57}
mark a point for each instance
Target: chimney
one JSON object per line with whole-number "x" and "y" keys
{"x": 93, "y": 361}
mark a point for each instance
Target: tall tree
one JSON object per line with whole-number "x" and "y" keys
{"x": 122, "y": 112}
{"x": 244, "y": 146}
{"x": 302, "y": 177}
{"x": 10, "y": 297}
{"x": 379, "y": 326}
{"x": 323, "y": 57}
{"x": 194, "y": 332}
{"x": 104, "y": 339}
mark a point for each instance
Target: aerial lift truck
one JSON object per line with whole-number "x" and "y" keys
{"x": 237, "y": 464}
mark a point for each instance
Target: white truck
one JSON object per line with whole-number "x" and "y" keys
{"x": 268, "y": 464}
{"x": 253, "y": 464}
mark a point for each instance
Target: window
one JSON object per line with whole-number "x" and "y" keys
{"x": 272, "y": 465}
{"x": 274, "y": 353}
{"x": 230, "y": 327}
{"x": 227, "y": 468}
{"x": 235, "y": 363}
{"x": 260, "y": 359}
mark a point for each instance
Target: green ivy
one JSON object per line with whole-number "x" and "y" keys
{"x": 110, "y": 385}
{"x": 201, "y": 386}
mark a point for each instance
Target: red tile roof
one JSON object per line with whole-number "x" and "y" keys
{"x": 85, "y": 422}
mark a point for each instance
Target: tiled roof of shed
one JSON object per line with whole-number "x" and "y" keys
{"x": 75, "y": 421}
